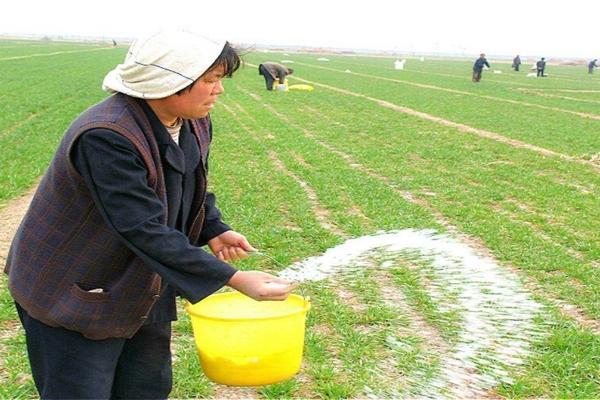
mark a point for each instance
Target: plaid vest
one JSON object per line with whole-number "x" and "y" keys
{"x": 63, "y": 241}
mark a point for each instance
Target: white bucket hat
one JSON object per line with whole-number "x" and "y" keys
{"x": 163, "y": 63}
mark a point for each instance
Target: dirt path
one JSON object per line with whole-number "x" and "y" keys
{"x": 10, "y": 218}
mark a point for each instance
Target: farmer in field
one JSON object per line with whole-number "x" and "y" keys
{"x": 592, "y": 64}
{"x": 540, "y": 66}
{"x": 478, "y": 67}
{"x": 114, "y": 230}
{"x": 516, "y": 63}
{"x": 273, "y": 71}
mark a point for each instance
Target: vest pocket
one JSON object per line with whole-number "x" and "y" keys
{"x": 88, "y": 313}
{"x": 91, "y": 294}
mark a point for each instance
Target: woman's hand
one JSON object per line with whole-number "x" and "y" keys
{"x": 261, "y": 286}
{"x": 230, "y": 245}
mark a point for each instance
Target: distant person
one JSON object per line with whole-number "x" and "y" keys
{"x": 114, "y": 43}
{"x": 272, "y": 71}
{"x": 516, "y": 63}
{"x": 478, "y": 67}
{"x": 541, "y": 67}
{"x": 593, "y": 64}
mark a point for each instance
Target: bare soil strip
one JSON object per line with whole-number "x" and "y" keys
{"x": 222, "y": 392}
{"x": 573, "y": 90}
{"x": 321, "y": 213}
{"x": 538, "y": 230}
{"x": 542, "y": 93}
{"x": 567, "y": 98}
{"x": 461, "y": 127}
{"x": 388, "y": 373}
{"x": 419, "y": 326}
{"x": 245, "y": 127}
{"x": 10, "y": 218}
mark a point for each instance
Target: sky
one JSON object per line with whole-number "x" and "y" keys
{"x": 535, "y": 28}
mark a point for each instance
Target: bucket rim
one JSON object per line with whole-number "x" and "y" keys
{"x": 304, "y": 310}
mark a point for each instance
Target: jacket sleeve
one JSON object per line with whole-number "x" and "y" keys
{"x": 213, "y": 226}
{"x": 116, "y": 177}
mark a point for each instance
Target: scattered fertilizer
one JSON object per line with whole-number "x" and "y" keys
{"x": 496, "y": 313}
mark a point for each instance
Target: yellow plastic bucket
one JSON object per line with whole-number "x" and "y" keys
{"x": 243, "y": 342}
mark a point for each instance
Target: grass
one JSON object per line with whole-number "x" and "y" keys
{"x": 367, "y": 168}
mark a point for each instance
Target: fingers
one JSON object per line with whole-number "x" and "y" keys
{"x": 231, "y": 245}
{"x": 278, "y": 291}
{"x": 277, "y": 298}
{"x": 244, "y": 244}
{"x": 261, "y": 285}
{"x": 283, "y": 281}
{"x": 231, "y": 253}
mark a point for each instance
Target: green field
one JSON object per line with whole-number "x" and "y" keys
{"x": 509, "y": 166}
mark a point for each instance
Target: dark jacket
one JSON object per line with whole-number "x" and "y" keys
{"x": 479, "y": 63}
{"x": 516, "y": 61}
{"x": 277, "y": 71}
{"x": 65, "y": 246}
{"x": 540, "y": 64}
